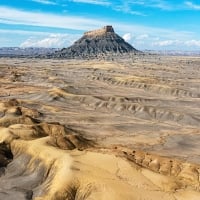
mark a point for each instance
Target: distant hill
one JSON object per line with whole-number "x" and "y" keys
{"x": 25, "y": 52}
{"x": 173, "y": 52}
{"x": 96, "y": 43}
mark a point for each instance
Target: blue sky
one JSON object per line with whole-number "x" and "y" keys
{"x": 146, "y": 24}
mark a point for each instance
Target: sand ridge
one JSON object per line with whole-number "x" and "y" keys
{"x": 100, "y": 130}
{"x": 77, "y": 170}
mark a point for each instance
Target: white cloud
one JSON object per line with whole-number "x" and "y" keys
{"x": 166, "y": 43}
{"x": 132, "y": 12}
{"x": 53, "y": 40}
{"x": 128, "y": 5}
{"x": 142, "y": 37}
{"x": 24, "y": 32}
{"x": 95, "y": 2}
{"x": 125, "y": 7}
{"x": 127, "y": 37}
{"x": 189, "y": 43}
{"x": 163, "y": 5}
{"x": 141, "y": 32}
{"x": 46, "y": 2}
{"x": 191, "y": 5}
{"x": 15, "y": 16}
{"x": 128, "y": 11}
{"x": 177, "y": 44}
{"x": 194, "y": 43}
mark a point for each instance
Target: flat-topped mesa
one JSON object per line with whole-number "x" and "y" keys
{"x": 96, "y": 44}
{"x": 102, "y": 31}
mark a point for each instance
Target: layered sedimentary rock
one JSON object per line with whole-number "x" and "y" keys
{"x": 96, "y": 43}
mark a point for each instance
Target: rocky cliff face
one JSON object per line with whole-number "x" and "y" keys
{"x": 96, "y": 43}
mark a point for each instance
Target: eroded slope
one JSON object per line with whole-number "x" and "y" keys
{"x": 100, "y": 130}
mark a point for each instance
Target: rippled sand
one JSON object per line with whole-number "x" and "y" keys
{"x": 127, "y": 129}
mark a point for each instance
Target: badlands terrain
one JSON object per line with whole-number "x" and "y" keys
{"x": 127, "y": 129}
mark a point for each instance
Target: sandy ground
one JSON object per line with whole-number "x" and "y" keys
{"x": 127, "y": 129}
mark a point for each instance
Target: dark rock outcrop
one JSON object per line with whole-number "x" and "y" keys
{"x": 95, "y": 44}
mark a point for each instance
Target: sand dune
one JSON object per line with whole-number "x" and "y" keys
{"x": 100, "y": 130}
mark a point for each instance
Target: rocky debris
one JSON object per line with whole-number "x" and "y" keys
{"x": 96, "y": 44}
{"x": 187, "y": 174}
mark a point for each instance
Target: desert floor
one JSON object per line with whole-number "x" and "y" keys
{"x": 100, "y": 130}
